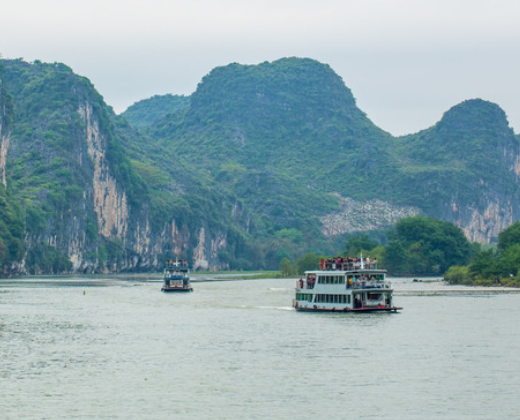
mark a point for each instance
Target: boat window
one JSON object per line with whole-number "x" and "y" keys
{"x": 331, "y": 298}
{"x": 331, "y": 279}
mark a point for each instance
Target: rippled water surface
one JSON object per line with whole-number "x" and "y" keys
{"x": 120, "y": 349}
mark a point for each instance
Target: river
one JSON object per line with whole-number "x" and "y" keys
{"x": 105, "y": 348}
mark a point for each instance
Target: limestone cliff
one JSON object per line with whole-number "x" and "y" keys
{"x": 110, "y": 202}
{"x": 477, "y": 187}
{"x": 87, "y": 210}
{"x": 260, "y": 163}
{"x": 5, "y": 130}
{"x": 361, "y": 216}
{"x": 128, "y": 225}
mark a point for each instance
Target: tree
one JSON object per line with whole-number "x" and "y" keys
{"x": 309, "y": 261}
{"x": 509, "y": 236}
{"x": 458, "y": 275}
{"x": 395, "y": 258}
{"x": 356, "y": 244}
{"x": 509, "y": 260}
{"x": 485, "y": 265}
{"x": 427, "y": 246}
{"x": 286, "y": 268}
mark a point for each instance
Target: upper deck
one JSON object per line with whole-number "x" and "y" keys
{"x": 177, "y": 265}
{"x": 349, "y": 275}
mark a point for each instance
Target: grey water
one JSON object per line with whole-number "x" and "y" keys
{"x": 104, "y": 348}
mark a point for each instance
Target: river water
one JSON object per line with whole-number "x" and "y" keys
{"x": 78, "y": 348}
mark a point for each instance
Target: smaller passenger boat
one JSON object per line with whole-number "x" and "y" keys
{"x": 346, "y": 285}
{"x": 176, "y": 276}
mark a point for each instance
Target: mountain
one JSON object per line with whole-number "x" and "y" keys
{"x": 288, "y": 139}
{"x": 11, "y": 221}
{"x": 261, "y": 162}
{"x": 279, "y": 135}
{"x": 146, "y": 112}
{"x": 466, "y": 169}
{"x": 84, "y": 202}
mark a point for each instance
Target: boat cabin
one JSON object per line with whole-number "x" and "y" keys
{"x": 358, "y": 289}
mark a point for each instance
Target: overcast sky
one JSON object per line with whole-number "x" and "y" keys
{"x": 406, "y": 61}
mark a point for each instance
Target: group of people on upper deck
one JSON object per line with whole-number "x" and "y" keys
{"x": 177, "y": 263}
{"x": 347, "y": 263}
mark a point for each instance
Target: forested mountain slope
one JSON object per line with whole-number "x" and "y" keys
{"x": 261, "y": 162}
{"x": 146, "y": 112}
{"x": 11, "y": 217}
{"x": 85, "y": 205}
{"x": 288, "y": 139}
{"x": 465, "y": 169}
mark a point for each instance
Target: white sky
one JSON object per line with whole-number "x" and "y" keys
{"x": 406, "y": 61}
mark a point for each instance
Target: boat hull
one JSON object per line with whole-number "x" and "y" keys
{"x": 360, "y": 310}
{"x": 176, "y": 289}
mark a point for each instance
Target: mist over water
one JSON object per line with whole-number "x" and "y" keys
{"x": 75, "y": 348}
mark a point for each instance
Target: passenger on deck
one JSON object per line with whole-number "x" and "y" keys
{"x": 373, "y": 281}
{"x": 364, "y": 281}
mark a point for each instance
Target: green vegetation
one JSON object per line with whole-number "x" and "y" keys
{"x": 416, "y": 246}
{"x": 496, "y": 266}
{"x": 253, "y": 160}
{"x": 425, "y": 246}
{"x": 145, "y": 113}
{"x": 281, "y": 136}
{"x": 309, "y": 261}
{"x": 358, "y": 244}
{"x": 49, "y": 169}
{"x": 277, "y": 137}
{"x": 12, "y": 247}
{"x": 11, "y": 231}
{"x": 48, "y": 260}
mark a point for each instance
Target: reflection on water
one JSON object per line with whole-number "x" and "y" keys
{"x": 118, "y": 348}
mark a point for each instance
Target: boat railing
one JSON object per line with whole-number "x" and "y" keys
{"x": 175, "y": 277}
{"x": 371, "y": 285}
{"x": 178, "y": 264}
{"x": 350, "y": 265}
{"x": 305, "y": 284}
{"x": 358, "y": 266}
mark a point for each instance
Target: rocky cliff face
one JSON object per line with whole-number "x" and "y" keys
{"x": 484, "y": 225}
{"x": 128, "y": 225}
{"x": 110, "y": 201}
{"x": 65, "y": 159}
{"x": 361, "y": 216}
{"x": 246, "y": 168}
{"x": 5, "y": 131}
{"x": 476, "y": 158}
{"x": 498, "y": 204}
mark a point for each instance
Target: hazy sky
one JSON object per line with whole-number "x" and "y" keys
{"x": 406, "y": 61}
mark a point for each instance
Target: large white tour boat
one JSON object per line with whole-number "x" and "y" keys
{"x": 176, "y": 277}
{"x": 345, "y": 285}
